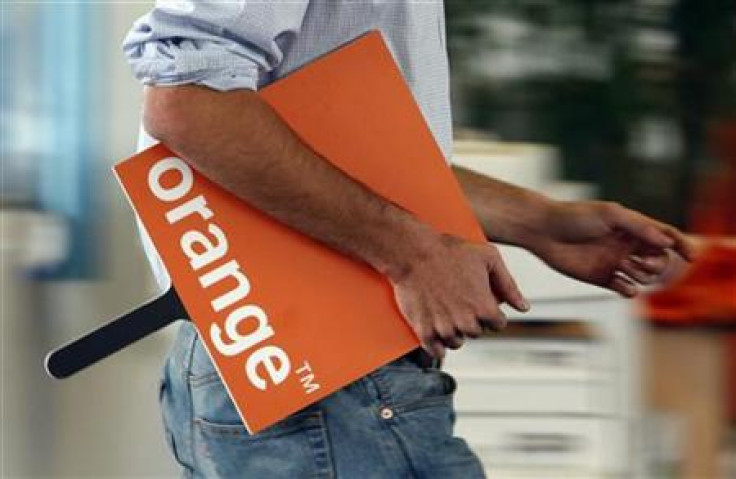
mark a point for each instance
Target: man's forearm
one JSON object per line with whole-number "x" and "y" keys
{"x": 508, "y": 214}
{"x": 238, "y": 141}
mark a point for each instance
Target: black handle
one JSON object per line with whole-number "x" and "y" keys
{"x": 115, "y": 335}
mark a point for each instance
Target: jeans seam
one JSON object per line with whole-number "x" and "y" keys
{"x": 419, "y": 404}
{"x": 382, "y": 388}
{"x": 190, "y": 439}
{"x": 203, "y": 380}
{"x": 302, "y": 422}
{"x": 321, "y": 448}
{"x": 169, "y": 436}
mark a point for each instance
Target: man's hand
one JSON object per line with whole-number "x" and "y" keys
{"x": 608, "y": 245}
{"x": 593, "y": 241}
{"x": 452, "y": 289}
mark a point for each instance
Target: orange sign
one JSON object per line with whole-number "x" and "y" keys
{"x": 285, "y": 319}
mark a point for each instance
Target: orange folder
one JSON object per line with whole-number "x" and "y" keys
{"x": 287, "y": 320}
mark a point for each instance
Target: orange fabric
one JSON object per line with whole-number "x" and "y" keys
{"x": 707, "y": 292}
{"x": 339, "y": 316}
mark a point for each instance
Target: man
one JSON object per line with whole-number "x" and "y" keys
{"x": 201, "y": 62}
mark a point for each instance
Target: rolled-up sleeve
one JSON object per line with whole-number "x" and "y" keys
{"x": 222, "y": 45}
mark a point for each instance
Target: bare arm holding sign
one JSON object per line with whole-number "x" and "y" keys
{"x": 441, "y": 283}
{"x": 447, "y": 288}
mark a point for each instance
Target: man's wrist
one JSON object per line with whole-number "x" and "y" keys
{"x": 508, "y": 213}
{"x": 527, "y": 224}
{"x": 411, "y": 242}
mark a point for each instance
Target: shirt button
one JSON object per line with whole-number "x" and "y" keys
{"x": 387, "y": 413}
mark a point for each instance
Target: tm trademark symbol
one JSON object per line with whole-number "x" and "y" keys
{"x": 306, "y": 377}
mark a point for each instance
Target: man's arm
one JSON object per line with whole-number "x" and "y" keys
{"x": 238, "y": 141}
{"x": 508, "y": 214}
{"x": 235, "y": 138}
{"x": 597, "y": 242}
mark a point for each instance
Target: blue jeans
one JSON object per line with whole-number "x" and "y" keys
{"x": 396, "y": 422}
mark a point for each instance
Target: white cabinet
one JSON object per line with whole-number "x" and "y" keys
{"x": 577, "y": 446}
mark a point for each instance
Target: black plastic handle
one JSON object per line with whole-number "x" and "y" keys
{"x": 115, "y": 335}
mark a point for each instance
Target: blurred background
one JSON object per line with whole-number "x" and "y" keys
{"x": 632, "y": 101}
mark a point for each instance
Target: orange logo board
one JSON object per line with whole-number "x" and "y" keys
{"x": 285, "y": 319}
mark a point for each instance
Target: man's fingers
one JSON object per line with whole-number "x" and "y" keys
{"x": 448, "y": 335}
{"x": 638, "y": 273}
{"x": 503, "y": 285}
{"x": 491, "y": 315}
{"x": 453, "y": 342}
{"x": 623, "y": 285}
{"x": 650, "y": 231}
{"x": 470, "y": 327}
{"x": 654, "y": 264}
{"x": 495, "y": 324}
{"x": 684, "y": 245}
{"x": 435, "y": 348}
{"x": 639, "y": 226}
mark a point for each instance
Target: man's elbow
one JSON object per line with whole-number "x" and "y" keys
{"x": 166, "y": 114}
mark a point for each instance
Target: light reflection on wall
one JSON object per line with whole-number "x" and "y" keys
{"x": 50, "y": 106}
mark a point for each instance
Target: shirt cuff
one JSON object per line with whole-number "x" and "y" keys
{"x": 202, "y": 63}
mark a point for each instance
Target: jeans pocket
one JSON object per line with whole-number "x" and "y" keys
{"x": 407, "y": 386}
{"x": 294, "y": 447}
{"x": 424, "y": 417}
{"x": 305, "y": 419}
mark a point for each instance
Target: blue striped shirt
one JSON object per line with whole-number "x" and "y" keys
{"x": 246, "y": 44}
{"x": 233, "y": 44}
